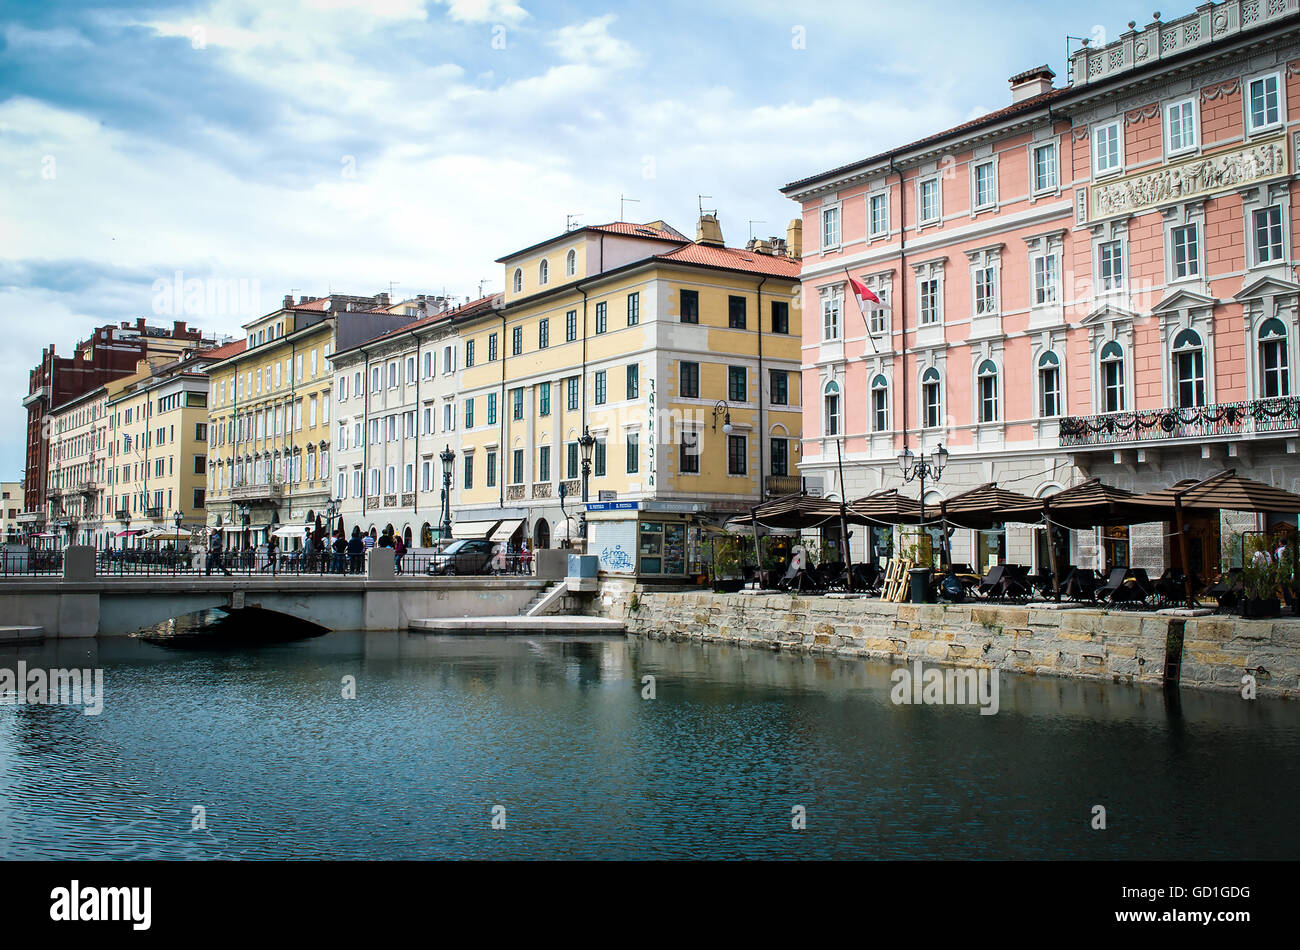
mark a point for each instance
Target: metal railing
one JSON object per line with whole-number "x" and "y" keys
{"x": 1281, "y": 414}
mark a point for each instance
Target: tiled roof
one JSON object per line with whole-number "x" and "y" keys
{"x": 460, "y": 312}
{"x": 733, "y": 258}
{"x": 1027, "y": 105}
{"x": 224, "y": 352}
{"x": 321, "y": 304}
{"x": 640, "y": 230}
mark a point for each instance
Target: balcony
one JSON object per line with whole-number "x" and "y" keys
{"x": 87, "y": 488}
{"x": 262, "y": 491}
{"x": 1232, "y": 420}
{"x": 153, "y": 514}
{"x": 778, "y": 486}
{"x": 121, "y": 515}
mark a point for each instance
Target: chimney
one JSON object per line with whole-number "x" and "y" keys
{"x": 178, "y": 328}
{"x": 794, "y": 239}
{"x": 288, "y": 301}
{"x": 382, "y": 297}
{"x": 762, "y": 247}
{"x": 1030, "y": 83}
{"x": 778, "y": 246}
{"x": 139, "y": 323}
{"x": 709, "y": 231}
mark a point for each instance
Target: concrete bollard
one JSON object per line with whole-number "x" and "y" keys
{"x": 379, "y": 565}
{"x": 79, "y": 563}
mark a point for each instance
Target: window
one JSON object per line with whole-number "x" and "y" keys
{"x": 375, "y": 381}
{"x": 986, "y": 294}
{"x": 469, "y": 413}
{"x": 1186, "y": 256}
{"x": 428, "y": 365}
{"x": 1049, "y": 385}
{"x": 878, "y": 209}
{"x": 518, "y": 282}
{"x": 544, "y": 464}
{"x": 570, "y": 326}
{"x": 601, "y": 312}
{"x": 780, "y": 387}
{"x": 737, "y": 455}
{"x": 633, "y": 309}
{"x": 930, "y": 398}
{"x": 572, "y": 393}
{"x": 1265, "y": 108}
{"x": 929, "y": 300}
{"x": 390, "y": 478}
{"x": 448, "y": 418}
{"x": 633, "y": 380}
{"x": 600, "y": 387}
{"x": 1107, "y": 155}
{"x": 448, "y": 356}
{"x": 544, "y": 399}
{"x": 831, "y": 304}
{"x": 633, "y": 453}
{"x": 408, "y": 476}
{"x": 688, "y": 386}
{"x": 831, "y": 409}
{"x": 517, "y": 404}
{"x": 491, "y": 409}
{"x": 986, "y": 185}
{"x": 690, "y": 303}
{"x": 1189, "y": 369}
{"x": 599, "y": 458}
{"x": 543, "y": 272}
{"x": 1180, "y": 127}
{"x": 516, "y": 341}
{"x": 469, "y": 353}
{"x": 1045, "y": 168}
{"x": 929, "y": 200}
{"x": 880, "y": 404}
{"x": 570, "y": 263}
{"x": 830, "y": 227}
{"x": 737, "y": 384}
{"x": 517, "y": 467}
{"x": 491, "y": 465}
{"x": 492, "y": 347}
{"x": 469, "y": 471}
{"x": 544, "y": 333}
{"x": 1274, "y": 370}
{"x": 1045, "y": 274}
{"x": 1267, "y": 227}
{"x": 736, "y": 317}
{"x": 1112, "y": 378}
{"x": 988, "y": 391}
{"x": 780, "y": 316}
{"x": 780, "y": 457}
{"x": 571, "y": 459}
{"x": 688, "y": 458}
{"x": 1110, "y": 266}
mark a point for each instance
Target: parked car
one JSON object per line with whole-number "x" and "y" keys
{"x": 466, "y": 556}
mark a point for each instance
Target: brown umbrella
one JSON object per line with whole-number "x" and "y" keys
{"x": 792, "y": 511}
{"x": 980, "y": 507}
{"x": 1088, "y": 505}
{"x": 886, "y": 507}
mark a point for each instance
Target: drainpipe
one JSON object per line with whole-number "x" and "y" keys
{"x": 902, "y": 310}
{"x": 762, "y": 429}
{"x": 501, "y": 417}
{"x": 415, "y": 492}
{"x": 365, "y": 430}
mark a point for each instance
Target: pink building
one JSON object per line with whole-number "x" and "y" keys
{"x": 1096, "y": 281}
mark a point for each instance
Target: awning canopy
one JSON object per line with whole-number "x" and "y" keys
{"x": 474, "y": 529}
{"x": 167, "y": 534}
{"x": 979, "y": 508}
{"x": 1226, "y": 491}
{"x": 290, "y": 531}
{"x": 1089, "y": 505}
{"x": 129, "y": 533}
{"x": 792, "y": 511}
{"x": 505, "y": 529}
{"x": 886, "y": 507}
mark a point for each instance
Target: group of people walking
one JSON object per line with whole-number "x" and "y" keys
{"x": 319, "y": 553}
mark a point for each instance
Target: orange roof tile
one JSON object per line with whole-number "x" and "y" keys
{"x": 733, "y": 258}
{"x": 224, "y": 352}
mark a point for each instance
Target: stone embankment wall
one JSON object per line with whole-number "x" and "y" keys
{"x": 1121, "y": 646}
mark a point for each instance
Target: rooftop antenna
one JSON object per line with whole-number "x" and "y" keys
{"x": 752, "y": 222}
{"x": 485, "y": 280}
{"x": 391, "y": 285}
{"x": 621, "y": 200}
{"x": 570, "y": 221}
{"x": 700, "y": 199}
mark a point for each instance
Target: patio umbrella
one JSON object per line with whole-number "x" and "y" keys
{"x": 978, "y": 508}
{"x": 792, "y": 511}
{"x": 886, "y": 507}
{"x": 1226, "y": 490}
{"x": 1089, "y": 505}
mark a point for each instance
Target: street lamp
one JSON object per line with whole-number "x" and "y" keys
{"x": 177, "y": 518}
{"x": 721, "y": 408}
{"x": 447, "y": 457}
{"x": 587, "y": 444}
{"x": 913, "y": 467}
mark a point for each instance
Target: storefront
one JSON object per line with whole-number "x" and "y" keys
{"x": 645, "y": 539}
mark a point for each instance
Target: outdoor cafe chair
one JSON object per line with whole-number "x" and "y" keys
{"x": 992, "y": 581}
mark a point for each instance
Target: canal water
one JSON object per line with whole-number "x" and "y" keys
{"x": 256, "y": 753}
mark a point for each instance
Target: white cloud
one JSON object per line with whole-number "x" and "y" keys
{"x": 484, "y": 11}
{"x": 591, "y": 42}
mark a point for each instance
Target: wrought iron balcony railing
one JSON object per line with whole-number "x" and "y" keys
{"x": 259, "y": 491}
{"x": 1280, "y": 415}
{"x": 778, "y": 486}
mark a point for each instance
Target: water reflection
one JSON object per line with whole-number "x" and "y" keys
{"x": 555, "y": 729}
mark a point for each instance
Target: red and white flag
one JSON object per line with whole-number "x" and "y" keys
{"x": 867, "y": 299}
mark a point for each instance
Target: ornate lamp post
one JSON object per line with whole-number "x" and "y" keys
{"x": 721, "y": 408}
{"x": 588, "y": 444}
{"x": 447, "y": 457}
{"x": 177, "y": 518}
{"x": 921, "y": 468}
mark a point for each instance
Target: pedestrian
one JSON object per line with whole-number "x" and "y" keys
{"x": 369, "y": 540}
{"x": 214, "y": 553}
{"x": 339, "y": 565}
{"x": 526, "y": 558}
{"x": 272, "y": 554}
{"x": 399, "y": 551}
{"x": 356, "y": 550}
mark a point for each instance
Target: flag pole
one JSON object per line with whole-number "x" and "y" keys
{"x": 865, "y": 325}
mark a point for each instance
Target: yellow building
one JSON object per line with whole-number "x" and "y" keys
{"x": 157, "y": 452}
{"x": 269, "y": 434}
{"x": 676, "y": 361}
{"x": 11, "y": 506}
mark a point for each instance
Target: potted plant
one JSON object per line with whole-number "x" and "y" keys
{"x": 1262, "y": 577}
{"x": 726, "y": 567}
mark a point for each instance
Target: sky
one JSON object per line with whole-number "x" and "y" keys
{"x": 354, "y": 146}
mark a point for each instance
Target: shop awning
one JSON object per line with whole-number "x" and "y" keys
{"x": 167, "y": 534}
{"x": 505, "y": 529}
{"x": 290, "y": 531}
{"x": 474, "y": 529}
{"x": 129, "y": 533}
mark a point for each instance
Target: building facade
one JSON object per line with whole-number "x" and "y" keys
{"x": 78, "y": 454}
{"x": 11, "y": 506}
{"x": 1098, "y": 280}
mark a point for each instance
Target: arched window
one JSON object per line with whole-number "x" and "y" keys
{"x": 1189, "y": 369}
{"x": 1275, "y": 373}
{"x": 543, "y": 272}
{"x": 931, "y": 399}
{"x": 570, "y": 263}
{"x": 519, "y": 280}
{"x": 1049, "y": 385}
{"x": 1112, "y": 378}
{"x": 988, "y": 391}
{"x": 831, "y": 409}
{"x": 880, "y": 404}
